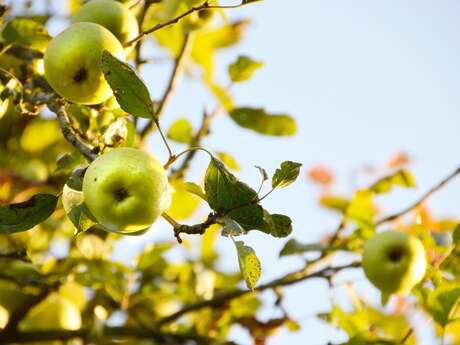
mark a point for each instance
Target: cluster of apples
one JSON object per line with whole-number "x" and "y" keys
{"x": 126, "y": 189}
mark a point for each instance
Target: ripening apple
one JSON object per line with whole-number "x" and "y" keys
{"x": 126, "y": 189}
{"x": 112, "y": 15}
{"x": 55, "y": 312}
{"x": 394, "y": 262}
{"x": 73, "y": 62}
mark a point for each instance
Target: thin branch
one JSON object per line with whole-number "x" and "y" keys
{"x": 404, "y": 211}
{"x": 288, "y": 279}
{"x": 57, "y": 106}
{"x": 179, "y": 66}
{"x": 420, "y": 201}
{"x": 204, "y": 6}
{"x": 407, "y": 335}
{"x": 14, "y": 337}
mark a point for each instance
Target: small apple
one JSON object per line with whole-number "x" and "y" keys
{"x": 55, "y": 312}
{"x": 126, "y": 189}
{"x": 73, "y": 62}
{"x": 394, "y": 262}
{"x": 114, "y": 16}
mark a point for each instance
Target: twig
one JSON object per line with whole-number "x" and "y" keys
{"x": 288, "y": 279}
{"x": 420, "y": 201}
{"x": 57, "y": 106}
{"x": 407, "y": 335}
{"x": 14, "y": 337}
{"x": 175, "y": 20}
{"x": 179, "y": 66}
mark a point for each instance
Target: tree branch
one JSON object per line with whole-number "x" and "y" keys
{"x": 179, "y": 66}
{"x": 288, "y": 279}
{"x": 420, "y": 201}
{"x": 10, "y": 337}
{"x": 204, "y": 6}
{"x": 57, "y": 106}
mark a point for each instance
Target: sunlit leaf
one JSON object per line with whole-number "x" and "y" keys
{"x": 183, "y": 203}
{"x": 249, "y": 264}
{"x": 26, "y": 32}
{"x": 195, "y": 189}
{"x": 181, "y": 131}
{"x": 402, "y": 178}
{"x": 286, "y": 174}
{"x": 261, "y": 122}
{"x": 442, "y": 302}
{"x": 128, "y": 88}
{"x": 361, "y": 209}
{"x": 294, "y": 247}
{"x": 232, "y": 228}
{"x": 228, "y": 160}
{"x": 334, "y": 202}
{"x": 243, "y": 68}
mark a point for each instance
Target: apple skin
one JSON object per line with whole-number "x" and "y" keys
{"x": 394, "y": 262}
{"x": 126, "y": 189}
{"x": 73, "y": 62}
{"x": 55, "y": 312}
{"x": 112, "y": 15}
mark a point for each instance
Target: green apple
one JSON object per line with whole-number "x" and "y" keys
{"x": 73, "y": 62}
{"x": 126, "y": 189}
{"x": 55, "y": 312}
{"x": 394, "y": 262}
{"x": 112, "y": 15}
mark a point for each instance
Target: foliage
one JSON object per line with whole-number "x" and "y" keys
{"x": 51, "y": 244}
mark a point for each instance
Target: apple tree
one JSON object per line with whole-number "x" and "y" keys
{"x": 77, "y": 176}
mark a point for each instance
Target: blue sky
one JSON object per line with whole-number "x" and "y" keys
{"x": 364, "y": 79}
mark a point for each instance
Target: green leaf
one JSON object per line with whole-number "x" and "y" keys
{"x": 183, "y": 203}
{"x": 195, "y": 189}
{"x": 128, "y": 88}
{"x": 223, "y": 190}
{"x": 225, "y": 193}
{"x": 228, "y": 160}
{"x": 243, "y": 68}
{"x": 361, "y": 209}
{"x": 181, "y": 131}
{"x": 442, "y": 303}
{"x": 334, "y": 202}
{"x": 81, "y": 218}
{"x": 401, "y": 178}
{"x": 263, "y": 173}
{"x": 67, "y": 162}
{"x": 294, "y": 247}
{"x": 25, "y": 215}
{"x": 232, "y": 228}
{"x": 250, "y": 218}
{"x": 249, "y": 264}
{"x": 261, "y": 122}
{"x": 26, "y": 32}
{"x": 222, "y": 95}
{"x": 279, "y": 225}
{"x": 286, "y": 174}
